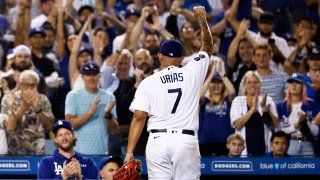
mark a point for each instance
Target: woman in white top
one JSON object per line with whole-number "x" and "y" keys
{"x": 254, "y": 116}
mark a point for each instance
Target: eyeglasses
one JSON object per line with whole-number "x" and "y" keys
{"x": 30, "y": 84}
{"x": 187, "y": 29}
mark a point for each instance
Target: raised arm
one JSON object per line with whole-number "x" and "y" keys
{"x": 60, "y": 33}
{"x": 73, "y": 69}
{"x": 206, "y": 83}
{"x": 201, "y": 14}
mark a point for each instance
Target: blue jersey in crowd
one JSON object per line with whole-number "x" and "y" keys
{"x": 51, "y": 167}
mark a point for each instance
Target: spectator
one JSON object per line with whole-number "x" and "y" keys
{"x": 280, "y": 142}
{"x": 240, "y": 55}
{"x": 273, "y": 82}
{"x": 80, "y": 55}
{"x": 22, "y": 61}
{"x": 312, "y": 77}
{"x": 30, "y": 116}
{"x": 279, "y": 46}
{"x": 47, "y": 13}
{"x": 296, "y": 62}
{"x": 215, "y": 125}
{"x": 66, "y": 163}
{"x": 254, "y": 116}
{"x": 108, "y": 166}
{"x": 235, "y": 145}
{"x": 297, "y": 115}
{"x": 87, "y": 109}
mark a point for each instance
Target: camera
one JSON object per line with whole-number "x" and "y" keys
{"x": 271, "y": 41}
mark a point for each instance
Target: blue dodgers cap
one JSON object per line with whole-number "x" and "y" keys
{"x": 314, "y": 53}
{"x": 108, "y": 159}
{"x": 171, "y": 48}
{"x": 131, "y": 11}
{"x": 62, "y": 124}
{"x": 296, "y": 77}
{"x": 289, "y": 37}
{"x": 38, "y": 30}
{"x": 216, "y": 77}
{"x": 266, "y": 17}
{"x": 84, "y": 49}
{"x": 90, "y": 68}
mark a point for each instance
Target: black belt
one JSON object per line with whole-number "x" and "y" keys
{"x": 184, "y": 131}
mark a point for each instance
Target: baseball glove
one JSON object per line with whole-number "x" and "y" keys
{"x": 129, "y": 171}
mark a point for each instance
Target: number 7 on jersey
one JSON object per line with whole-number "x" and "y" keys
{"x": 178, "y": 90}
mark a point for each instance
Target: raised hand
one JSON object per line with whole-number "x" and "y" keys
{"x": 76, "y": 164}
{"x": 35, "y": 99}
{"x": 95, "y": 104}
{"x": 264, "y": 106}
{"x": 199, "y": 12}
{"x": 109, "y": 107}
{"x": 315, "y": 81}
{"x": 255, "y": 101}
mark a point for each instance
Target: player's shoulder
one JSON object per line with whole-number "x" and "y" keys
{"x": 201, "y": 55}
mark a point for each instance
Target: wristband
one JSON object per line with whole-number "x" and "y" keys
{"x": 108, "y": 116}
{"x": 39, "y": 111}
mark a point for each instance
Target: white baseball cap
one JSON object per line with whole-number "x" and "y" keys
{"x": 21, "y": 49}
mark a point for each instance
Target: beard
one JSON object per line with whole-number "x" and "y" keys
{"x": 146, "y": 68}
{"x": 22, "y": 66}
{"x": 154, "y": 50}
{"x": 66, "y": 148}
{"x": 265, "y": 34}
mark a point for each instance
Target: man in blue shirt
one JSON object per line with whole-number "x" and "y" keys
{"x": 66, "y": 163}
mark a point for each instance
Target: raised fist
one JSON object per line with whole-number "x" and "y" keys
{"x": 199, "y": 12}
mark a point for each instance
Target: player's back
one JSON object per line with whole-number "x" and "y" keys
{"x": 173, "y": 95}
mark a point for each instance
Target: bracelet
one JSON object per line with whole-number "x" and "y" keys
{"x": 39, "y": 111}
{"x": 108, "y": 116}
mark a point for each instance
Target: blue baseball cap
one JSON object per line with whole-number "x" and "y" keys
{"x": 62, "y": 124}
{"x": 84, "y": 49}
{"x": 90, "y": 68}
{"x": 132, "y": 12}
{"x": 108, "y": 159}
{"x": 216, "y": 77}
{"x": 171, "y": 48}
{"x": 38, "y": 30}
{"x": 266, "y": 17}
{"x": 289, "y": 37}
{"x": 296, "y": 77}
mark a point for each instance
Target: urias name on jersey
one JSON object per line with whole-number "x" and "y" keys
{"x": 172, "y": 78}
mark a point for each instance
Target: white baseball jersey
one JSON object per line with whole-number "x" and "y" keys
{"x": 171, "y": 96}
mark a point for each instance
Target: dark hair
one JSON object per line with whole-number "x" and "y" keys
{"x": 280, "y": 134}
{"x": 98, "y": 29}
{"x": 305, "y": 18}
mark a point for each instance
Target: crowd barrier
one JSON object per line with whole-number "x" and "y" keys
{"x": 28, "y": 165}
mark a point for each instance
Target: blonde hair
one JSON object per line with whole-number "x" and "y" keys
{"x": 234, "y": 136}
{"x": 303, "y": 95}
{"x": 128, "y": 54}
{"x": 29, "y": 73}
{"x": 248, "y": 75}
{"x": 263, "y": 46}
